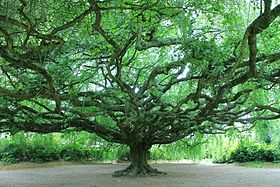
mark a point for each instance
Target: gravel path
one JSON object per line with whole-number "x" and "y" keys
{"x": 179, "y": 175}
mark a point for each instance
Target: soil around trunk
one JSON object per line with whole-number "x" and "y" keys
{"x": 139, "y": 166}
{"x": 134, "y": 170}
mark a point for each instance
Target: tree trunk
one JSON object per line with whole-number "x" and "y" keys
{"x": 139, "y": 164}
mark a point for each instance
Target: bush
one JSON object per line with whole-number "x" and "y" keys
{"x": 34, "y": 148}
{"x": 157, "y": 154}
{"x": 11, "y": 153}
{"x": 12, "y": 150}
{"x": 71, "y": 152}
{"x": 254, "y": 152}
{"x": 96, "y": 154}
{"x": 123, "y": 153}
{"x": 276, "y": 155}
{"x": 222, "y": 160}
{"x": 41, "y": 153}
{"x": 42, "y": 148}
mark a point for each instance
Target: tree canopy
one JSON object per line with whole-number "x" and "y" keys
{"x": 138, "y": 72}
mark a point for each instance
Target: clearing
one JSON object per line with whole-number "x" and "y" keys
{"x": 179, "y": 175}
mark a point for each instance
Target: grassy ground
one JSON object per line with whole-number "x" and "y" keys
{"x": 259, "y": 165}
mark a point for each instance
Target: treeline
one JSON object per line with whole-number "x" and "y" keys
{"x": 75, "y": 146}
{"x": 82, "y": 146}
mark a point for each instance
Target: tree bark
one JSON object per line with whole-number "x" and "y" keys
{"x": 139, "y": 163}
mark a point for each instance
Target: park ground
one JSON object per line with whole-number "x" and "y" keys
{"x": 99, "y": 175}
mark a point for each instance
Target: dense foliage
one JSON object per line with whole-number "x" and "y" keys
{"x": 247, "y": 153}
{"x": 139, "y": 73}
{"x": 43, "y": 148}
{"x": 82, "y": 146}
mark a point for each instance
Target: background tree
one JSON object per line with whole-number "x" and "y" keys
{"x": 137, "y": 72}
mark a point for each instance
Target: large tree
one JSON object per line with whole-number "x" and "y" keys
{"x": 138, "y": 72}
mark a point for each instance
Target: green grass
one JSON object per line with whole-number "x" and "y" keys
{"x": 259, "y": 165}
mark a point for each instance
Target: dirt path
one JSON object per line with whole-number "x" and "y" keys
{"x": 179, "y": 175}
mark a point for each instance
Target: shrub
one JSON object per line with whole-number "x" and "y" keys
{"x": 11, "y": 153}
{"x": 71, "y": 152}
{"x": 40, "y": 153}
{"x": 254, "y": 152}
{"x": 123, "y": 153}
{"x": 276, "y": 155}
{"x": 157, "y": 154}
{"x": 96, "y": 154}
{"x": 12, "y": 149}
{"x": 222, "y": 160}
{"x": 42, "y": 148}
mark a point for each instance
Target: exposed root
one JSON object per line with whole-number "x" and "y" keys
{"x": 138, "y": 171}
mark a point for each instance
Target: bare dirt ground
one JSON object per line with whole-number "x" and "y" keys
{"x": 179, "y": 175}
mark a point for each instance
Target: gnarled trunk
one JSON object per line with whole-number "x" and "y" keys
{"x": 139, "y": 164}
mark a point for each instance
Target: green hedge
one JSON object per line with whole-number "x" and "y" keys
{"x": 256, "y": 153}
{"x": 253, "y": 152}
{"x": 11, "y": 153}
{"x": 70, "y": 152}
{"x": 43, "y": 148}
{"x": 41, "y": 153}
